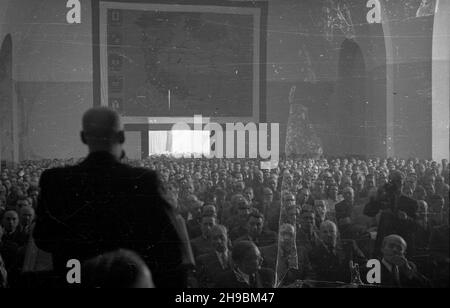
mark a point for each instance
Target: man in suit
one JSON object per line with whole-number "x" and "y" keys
{"x": 194, "y": 217}
{"x": 102, "y": 205}
{"x": 396, "y": 270}
{"x": 344, "y": 212}
{"x": 212, "y": 265}
{"x": 202, "y": 244}
{"x": 289, "y": 260}
{"x": 307, "y": 236}
{"x": 246, "y": 271}
{"x": 256, "y": 231}
{"x": 331, "y": 259}
{"x": 398, "y": 213}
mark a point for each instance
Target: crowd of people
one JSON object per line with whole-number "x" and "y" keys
{"x": 308, "y": 222}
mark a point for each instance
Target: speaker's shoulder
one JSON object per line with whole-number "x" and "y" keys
{"x": 138, "y": 173}
{"x": 57, "y": 172}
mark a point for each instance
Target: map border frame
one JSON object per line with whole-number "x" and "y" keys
{"x": 258, "y": 9}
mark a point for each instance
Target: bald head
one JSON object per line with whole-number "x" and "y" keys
{"x": 102, "y": 130}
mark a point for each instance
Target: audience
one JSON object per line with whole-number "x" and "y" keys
{"x": 224, "y": 201}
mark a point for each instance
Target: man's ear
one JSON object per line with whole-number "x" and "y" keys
{"x": 83, "y": 138}
{"x": 121, "y": 137}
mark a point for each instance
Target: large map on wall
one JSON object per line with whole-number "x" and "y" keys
{"x": 180, "y": 61}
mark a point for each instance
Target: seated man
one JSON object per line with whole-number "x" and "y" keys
{"x": 307, "y": 236}
{"x": 213, "y": 264}
{"x": 256, "y": 232}
{"x": 273, "y": 214}
{"x": 344, "y": 211}
{"x": 422, "y": 233}
{"x": 202, "y": 244}
{"x": 320, "y": 210}
{"x": 26, "y": 220}
{"x": 11, "y": 242}
{"x": 333, "y": 198}
{"x": 396, "y": 270}
{"x": 246, "y": 271}
{"x": 331, "y": 259}
{"x": 270, "y": 209}
{"x": 194, "y": 206}
{"x": 236, "y": 222}
{"x": 292, "y": 260}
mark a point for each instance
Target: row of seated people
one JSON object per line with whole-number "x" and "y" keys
{"x": 330, "y": 189}
{"x": 244, "y": 264}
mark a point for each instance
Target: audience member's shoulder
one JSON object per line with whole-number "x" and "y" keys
{"x": 140, "y": 173}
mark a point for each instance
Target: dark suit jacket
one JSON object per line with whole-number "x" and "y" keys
{"x": 343, "y": 210}
{"x": 334, "y": 266}
{"x": 307, "y": 242}
{"x": 201, "y": 246}
{"x": 264, "y": 278}
{"x": 417, "y": 280}
{"x": 304, "y": 271}
{"x": 102, "y": 205}
{"x": 209, "y": 269}
{"x": 391, "y": 224}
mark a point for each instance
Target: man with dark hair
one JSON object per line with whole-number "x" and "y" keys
{"x": 194, "y": 216}
{"x": 102, "y": 205}
{"x": 202, "y": 243}
{"x": 247, "y": 271}
{"x": 256, "y": 232}
{"x": 307, "y": 236}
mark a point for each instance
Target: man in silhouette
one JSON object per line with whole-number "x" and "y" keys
{"x": 102, "y": 205}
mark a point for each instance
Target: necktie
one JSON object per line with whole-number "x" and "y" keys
{"x": 396, "y": 275}
{"x": 252, "y": 281}
{"x": 224, "y": 261}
